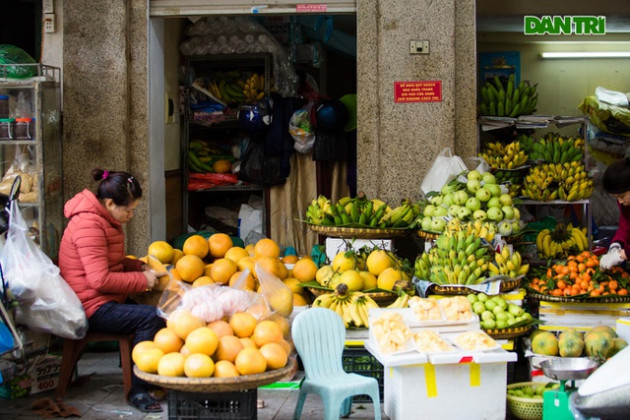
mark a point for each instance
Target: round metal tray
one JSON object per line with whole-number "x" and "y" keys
{"x": 358, "y": 233}
{"x": 218, "y": 384}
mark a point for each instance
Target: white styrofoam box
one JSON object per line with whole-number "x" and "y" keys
{"x": 474, "y": 388}
{"x": 623, "y": 328}
{"x": 581, "y": 316}
{"x": 337, "y": 245}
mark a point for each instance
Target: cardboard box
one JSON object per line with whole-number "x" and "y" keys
{"x": 43, "y": 376}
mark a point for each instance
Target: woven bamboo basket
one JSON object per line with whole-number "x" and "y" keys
{"x": 507, "y": 333}
{"x": 357, "y": 233}
{"x": 381, "y": 298}
{"x": 565, "y": 299}
{"x": 506, "y": 286}
{"x": 218, "y": 384}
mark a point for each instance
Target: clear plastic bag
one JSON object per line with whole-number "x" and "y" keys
{"x": 46, "y": 302}
{"x": 446, "y": 166}
{"x": 276, "y": 293}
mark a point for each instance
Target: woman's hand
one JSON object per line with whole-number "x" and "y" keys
{"x": 613, "y": 257}
{"x": 152, "y": 278}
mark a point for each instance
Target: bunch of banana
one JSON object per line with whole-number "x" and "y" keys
{"x": 513, "y": 180}
{"x": 504, "y": 157}
{"x": 550, "y": 181}
{"x": 554, "y": 148}
{"x": 507, "y": 265}
{"x": 227, "y": 89}
{"x": 509, "y": 101}
{"x": 561, "y": 242}
{"x": 401, "y": 301}
{"x": 352, "y": 307}
{"x": 202, "y": 155}
{"x": 402, "y": 216}
{"x": 483, "y": 229}
{"x": 319, "y": 211}
{"x": 253, "y": 88}
{"x": 455, "y": 259}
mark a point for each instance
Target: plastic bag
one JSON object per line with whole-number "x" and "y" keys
{"x": 301, "y": 130}
{"x": 210, "y": 303}
{"x": 446, "y": 166}
{"x": 278, "y": 295}
{"x": 10, "y": 54}
{"x": 47, "y": 303}
{"x": 259, "y": 168}
{"x": 249, "y": 219}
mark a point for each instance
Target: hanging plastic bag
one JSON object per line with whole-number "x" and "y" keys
{"x": 446, "y": 166}
{"x": 259, "y": 168}
{"x": 46, "y": 302}
{"x": 301, "y": 130}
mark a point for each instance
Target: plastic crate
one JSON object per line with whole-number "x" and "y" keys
{"x": 359, "y": 360}
{"x": 209, "y": 406}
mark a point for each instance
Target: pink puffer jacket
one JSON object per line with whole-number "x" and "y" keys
{"x": 92, "y": 255}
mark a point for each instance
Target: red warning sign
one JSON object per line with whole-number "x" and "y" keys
{"x": 311, "y": 8}
{"x": 418, "y": 91}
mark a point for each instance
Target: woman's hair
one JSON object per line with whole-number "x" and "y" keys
{"x": 617, "y": 177}
{"x": 121, "y": 187}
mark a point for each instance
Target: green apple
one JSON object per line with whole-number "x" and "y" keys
{"x": 436, "y": 200}
{"x": 489, "y": 324}
{"x": 472, "y": 185}
{"x": 488, "y": 178}
{"x": 438, "y": 224}
{"x": 472, "y": 298}
{"x": 506, "y": 199}
{"x": 463, "y": 213}
{"x": 447, "y": 200}
{"x": 473, "y": 175}
{"x": 429, "y": 210}
{"x": 515, "y": 309}
{"x": 482, "y": 297}
{"x": 500, "y": 301}
{"x": 508, "y": 212}
{"x": 490, "y": 304}
{"x": 426, "y": 223}
{"x": 478, "y": 307}
{"x": 501, "y": 324}
{"x": 483, "y": 194}
{"x": 495, "y": 214}
{"x": 440, "y": 211}
{"x": 452, "y": 210}
{"x": 473, "y": 203}
{"x": 517, "y": 213}
{"x": 485, "y": 315}
{"x": 494, "y": 202}
{"x": 480, "y": 215}
{"x": 494, "y": 189}
{"x": 505, "y": 228}
{"x": 460, "y": 197}
{"x": 497, "y": 309}
{"x": 501, "y": 315}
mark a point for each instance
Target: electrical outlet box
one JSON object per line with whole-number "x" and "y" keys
{"x": 418, "y": 47}
{"x": 48, "y": 6}
{"x": 49, "y": 22}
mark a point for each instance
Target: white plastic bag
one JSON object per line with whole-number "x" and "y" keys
{"x": 249, "y": 219}
{"x": 446, "y": 166}
{"x": 46, "y": 302}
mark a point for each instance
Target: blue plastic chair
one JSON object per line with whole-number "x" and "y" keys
{"x": 318, "y": 335}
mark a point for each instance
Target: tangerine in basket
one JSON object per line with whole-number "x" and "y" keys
{"x": 219, "y": 244}
{"x": 379, "y": 260}
{"x": 248, "y": 342}
{"x": 225, "y": 369}
{"x": 250, "y": 362}
{"x": 198, "y": 365}
{"x": 177, "y": 254}
{"x": 236, "y": 253}
{"x": 190, "y": 268}
{"x": 196, "y": 245}
{"x": 267, "y": 332}
{"x": 202, "y": 340}
{"x": 221, "y": 328}
{"x": 305, "y": 270}
{"x": 171, "y": 364}
{"x": 249, "y": 282}
{"x": 161, "y": 250}
{"x": 222, "y": 269}
{"x": 202, "y": 281}
{"x": 147, "y": 361}
{"x": 185, "y": 322}
{"x": 167, "y": 340}
{"x": 140, "y": 348}
{"x": 229, "y": 347}
{"x": 275, "y": 355}
{"x": 243, "y": 324}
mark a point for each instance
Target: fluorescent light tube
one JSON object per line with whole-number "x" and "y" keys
{"x": 619, "y": 54}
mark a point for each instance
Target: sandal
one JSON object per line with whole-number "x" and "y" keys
{"x": 145, "y": 403}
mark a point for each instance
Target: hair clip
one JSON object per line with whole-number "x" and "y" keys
{"x": 105, "y": 175}
{"x": 130, "y": 179}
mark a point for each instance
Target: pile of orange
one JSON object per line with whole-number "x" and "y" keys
{"x": 188, "y": 347}
{"x": 580, "y": 276}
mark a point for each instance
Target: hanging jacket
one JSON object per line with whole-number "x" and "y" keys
{"x": 92, "y": 255}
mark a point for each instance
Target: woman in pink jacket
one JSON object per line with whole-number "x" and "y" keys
{"x": 92, "y": 260}
{"x": 617, "y": 183}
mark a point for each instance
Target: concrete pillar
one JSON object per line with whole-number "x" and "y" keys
{"x": 105, "y": 99}
{"x": 397, "y": 142}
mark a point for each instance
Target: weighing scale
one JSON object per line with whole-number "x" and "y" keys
{"x": 556, "y": 402}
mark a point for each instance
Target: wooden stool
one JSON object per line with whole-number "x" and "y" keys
{"x": 73, "y": 349}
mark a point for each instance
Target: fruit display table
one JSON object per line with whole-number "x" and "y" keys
{"x": 446, "y": 385}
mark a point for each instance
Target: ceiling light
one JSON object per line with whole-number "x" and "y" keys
{"x": 619, "y": 54}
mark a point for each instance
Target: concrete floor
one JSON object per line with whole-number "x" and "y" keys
{"x": 100, "y": 397}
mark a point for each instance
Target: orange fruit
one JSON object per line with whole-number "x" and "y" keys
{"x": 248, "y": 282}
{"x": 250, "y": 361}
{"x": 202, "y": 281}
{"x": 287, "y": 346}
{"x": 299, "y": 300}
{"x": 222, "y": 166}
{"x": 202, "y": 340}
{"x": 266, "y": 247}
{"x": 343, "y": 261}
{"x": 243, "y": 324}
{"x": 175, "y": 274}
{"x": 220, "y": 328}
{"x": 190, "y": 268}
{"x": 293, "y": 284}
{"x": 388, "y": 278}
{"x": 283, "y": 271}
{"x": 266, "y": 332}
{"x": 196, "y": 245}
{"x": 379, "y": 260}
{"x": 283, "y": 323}
{"x": 222, "y": 269}
{"x": 259, "y": 309}
{"x": 290, "y": 259}
{"x": 177, "y": 254}
{"x": 140, "y": 348}
{"x": 147, "y": 361}
{"x": 248, "y": 342}
{"x": 198, "y": 365}
{"x": 250, "y": 249}
{"x": 352, "y": 279}
{"x": 275, "y": 355}
{"x": 247, "y": 263}
{"x": 236, "y": 253}
{"x": 219, "y": 244}
{"x": 269, "y": 264}
{"x": 184, "y": 350}
{"x": 167, "y": 340}
{"x": 305, "y": 270}
{"x": 171, "y": 364}
{"x": 225, "y": 369}
{"x": 184, "y": 323}
{"x": 229, "y": 346}
{"x": 161, "y": 250}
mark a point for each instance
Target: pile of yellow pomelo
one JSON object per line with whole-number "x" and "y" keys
{"x": 378, "y": 269}
{"x": 189, "y": 347}
{"x": 204, "y": 261}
